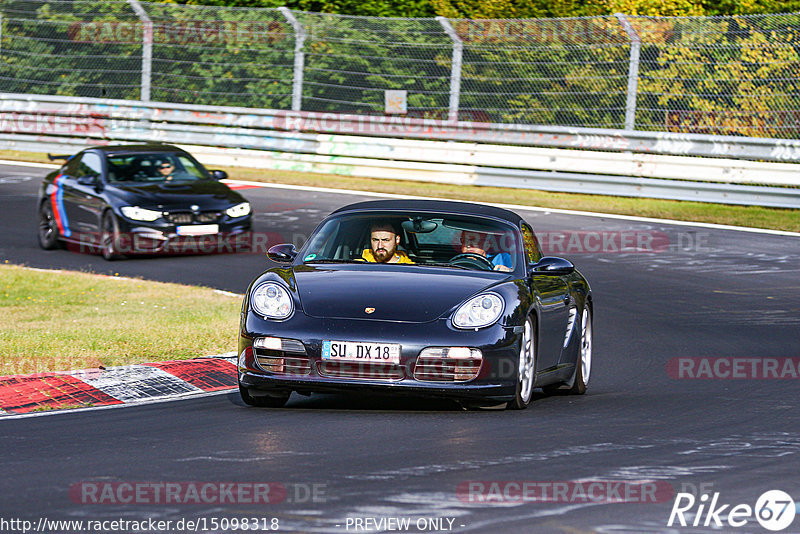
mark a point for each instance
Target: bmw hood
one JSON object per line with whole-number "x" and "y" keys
{"x": 386, "y": 293}
{"x": 207, "y": 194}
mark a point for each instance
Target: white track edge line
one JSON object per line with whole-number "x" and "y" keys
{"x": 507, "y": 206}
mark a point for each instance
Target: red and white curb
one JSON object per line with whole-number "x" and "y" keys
{"x": 20, "y": 394}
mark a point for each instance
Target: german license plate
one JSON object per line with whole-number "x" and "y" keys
{"x": 361, "y": 352}
{"x": 198, "y": 229}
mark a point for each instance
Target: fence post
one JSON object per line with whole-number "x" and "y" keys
{"x": 633, "y": 71}
{"x": 455, "y": 68}
{"x": 299, "y": 58}
{"x": 147, "y": 48}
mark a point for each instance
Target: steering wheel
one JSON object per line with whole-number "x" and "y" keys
{"x": 470, "y": 259}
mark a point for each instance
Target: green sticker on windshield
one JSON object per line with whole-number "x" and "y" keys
{"x": 310, "y": 257}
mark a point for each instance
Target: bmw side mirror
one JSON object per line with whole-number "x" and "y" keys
{"x": 284, "y": 253}
{"x": 552, "y": 266}
{"x": 219, "y": 175}
{"x": 88, "y": 179}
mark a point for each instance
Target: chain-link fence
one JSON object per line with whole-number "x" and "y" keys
{"x": 718, "y": 75}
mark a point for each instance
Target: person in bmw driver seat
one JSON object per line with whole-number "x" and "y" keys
{"x": 383, "y": 245}
{"x": 165, "y": 169}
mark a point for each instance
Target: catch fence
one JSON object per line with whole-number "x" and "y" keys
{"x": 735, "y": 76}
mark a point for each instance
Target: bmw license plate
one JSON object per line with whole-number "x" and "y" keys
{"x": 361, "y": 352}
{"x": 198, "y": 229}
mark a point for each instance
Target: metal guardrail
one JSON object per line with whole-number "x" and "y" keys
{"x": 370, "y": 146}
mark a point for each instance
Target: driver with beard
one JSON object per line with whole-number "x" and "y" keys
{"x": 383, "y": 245}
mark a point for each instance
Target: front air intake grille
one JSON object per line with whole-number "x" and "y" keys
{"x": 434, "y": 365}
{"x": 278, "y": 362}
{"x": 179, "y": 218}
{"x": 359, "y": 370}
{"x": 185, "y": 217}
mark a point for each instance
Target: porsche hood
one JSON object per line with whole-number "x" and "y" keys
{"x": 385, "y": 293}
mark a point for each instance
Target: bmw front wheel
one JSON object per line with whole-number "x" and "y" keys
{"x": 48, "y": 228}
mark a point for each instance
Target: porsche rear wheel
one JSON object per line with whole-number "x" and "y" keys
{"x": 110, "y": 238}
{"x": 526, "y": 370}
{"x": 276, "y": 400}
{"x": 48, "y": 228}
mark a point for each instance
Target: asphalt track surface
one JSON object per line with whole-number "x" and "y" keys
{"x": 711, "y": 293}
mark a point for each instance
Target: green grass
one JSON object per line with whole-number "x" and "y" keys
{"x": 61, "y": 321}
{"x": 750, "y": 216}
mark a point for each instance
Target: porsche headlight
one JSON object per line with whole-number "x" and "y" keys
{"x": 139, "y": 214}
{"x": 239, "y": 210}
{"x": 272, "y": 301}
{"x": 479, "y": 311}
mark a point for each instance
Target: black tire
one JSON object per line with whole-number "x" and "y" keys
{"x": 526, "y": 368}
{"x": 110, "y": 239}
{"x": 267, "y": 401}
{"x": 48, "y": 228}
{"x": 583, "y": 366}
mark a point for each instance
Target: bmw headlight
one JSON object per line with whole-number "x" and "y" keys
{"x": 272, "y": 301}
{"x": 139, "y": 214}
{"x": 479, "y": 311}
{"x": 239, "y": 210}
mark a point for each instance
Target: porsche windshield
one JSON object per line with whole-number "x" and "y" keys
{"x": 155, "y": 167}
{"x": 457, "y": 241}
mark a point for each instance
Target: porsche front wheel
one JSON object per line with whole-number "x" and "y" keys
{"x": 583, "y": 367}
{"x": 526, "y": 368}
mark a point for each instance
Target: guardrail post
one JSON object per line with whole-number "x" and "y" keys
{"x": 147, "y": 48}
{"x": 455, "y": 68}
{"x": 299, "y": 58}
{"x": 633, "y": 71}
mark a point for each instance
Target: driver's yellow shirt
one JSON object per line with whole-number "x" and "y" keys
{"x": 401, "y": 256}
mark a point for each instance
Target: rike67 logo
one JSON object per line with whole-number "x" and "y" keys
{"x": 774, "y": 510}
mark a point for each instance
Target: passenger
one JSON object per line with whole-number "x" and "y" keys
{"x": 471, "y": 243}
{"x": 383, "y": 245}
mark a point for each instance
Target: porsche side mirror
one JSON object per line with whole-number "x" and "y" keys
{"x": 550, "y": 265}
{"x": 219, "y": 175}
{"x": 284, "y": 253}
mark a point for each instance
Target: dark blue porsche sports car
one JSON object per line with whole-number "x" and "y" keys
{"x": 135, "y": 199}
{"x": 417, "y": 297}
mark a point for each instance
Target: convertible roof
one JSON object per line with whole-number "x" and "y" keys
{"x": 446, "y": 206}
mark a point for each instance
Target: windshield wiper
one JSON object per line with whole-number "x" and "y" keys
{"x": 450, "y": 265}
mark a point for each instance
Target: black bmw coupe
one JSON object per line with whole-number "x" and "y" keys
{"x": 134, "y": 199}
{"x": 416, "y": 297}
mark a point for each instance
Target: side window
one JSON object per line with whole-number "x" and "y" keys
{"x": 532, "y": 251}
{"x": 89, "y": 165}
{"x": 191, "y": 168}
